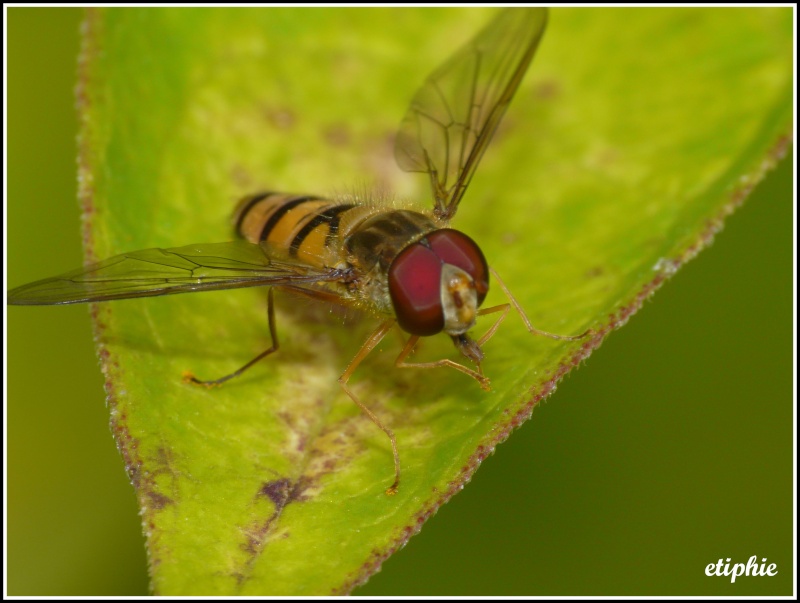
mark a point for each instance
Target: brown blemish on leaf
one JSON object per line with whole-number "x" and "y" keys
{"x": 338, "y": 444}
{"x": 594, "y": 272}
{"x": 334, "y": 447}
{"x": 241, "y": 177}
{"x": 509, "y": 238}
{"x": 277, "y": 491}
{"x": 281, "y": 492}
{"x": 158, "y": 501}
{"x": 280, "y": 118}
{"x": 293, "y": 424}
{"x": 126, "y": 443}
{"x": 151, "y": 501}
{"x": 547, "y": 90}
{"x": 298, "y": 493}
{"x": 614, "y": 321}
{"x": 337, "y": 135}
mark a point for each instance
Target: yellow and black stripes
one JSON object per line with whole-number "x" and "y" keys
{"x": 326, "y": 234}
{"x": 330, "y": 217}
{"x": 303, "y": 228}
{"x": 243, "y": 208}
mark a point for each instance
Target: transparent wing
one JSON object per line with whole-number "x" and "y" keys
{"x": 455, "y": 113}
{"x": 151, "y": 272}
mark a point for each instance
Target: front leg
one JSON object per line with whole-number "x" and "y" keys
{"x": 409, "y": 348}
{"x": 524, "y": 316}
{"x": 368, "y": 346}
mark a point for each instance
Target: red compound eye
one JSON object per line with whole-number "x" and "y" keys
{"x": 415, "y": 287}
{"x": 454, "y": 247}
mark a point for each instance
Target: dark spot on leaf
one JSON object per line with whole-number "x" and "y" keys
{"x": 281, "y": 492}
{"x": 159, "y": 501}
{"x": 298, "y": 492}
{"x": 277, "y": 491}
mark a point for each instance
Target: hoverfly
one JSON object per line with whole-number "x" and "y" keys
{"x": 404, "y": 266}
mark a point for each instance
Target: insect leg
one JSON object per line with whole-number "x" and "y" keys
{"x": 189, "y": 378}
{"x": 504, "y": 308}
{"x": 331, "y": 298}
{"x": 525, "y": 319}
{"x": 368, "y": 346}
{"x": 409, "y": 347}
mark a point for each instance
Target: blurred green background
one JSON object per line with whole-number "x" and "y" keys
{"x": 670, "y": 448}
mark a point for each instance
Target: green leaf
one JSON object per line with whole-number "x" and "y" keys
{"x": 635, "y": 133}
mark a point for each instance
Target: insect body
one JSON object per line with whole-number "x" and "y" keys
{"x": 399, "y": 262}
{"x": 405, "y": 266}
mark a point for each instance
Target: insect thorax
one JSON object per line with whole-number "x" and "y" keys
{"x": 374, "y": 244}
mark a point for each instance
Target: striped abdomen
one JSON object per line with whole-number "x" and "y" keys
{"x": 328, "y": 234}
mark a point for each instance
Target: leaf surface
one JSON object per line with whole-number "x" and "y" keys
{"x": 634, "y": 134}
